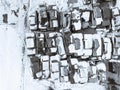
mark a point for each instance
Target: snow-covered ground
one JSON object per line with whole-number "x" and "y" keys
{"x": 10, "y": 59}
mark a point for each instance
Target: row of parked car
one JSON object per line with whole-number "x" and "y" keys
{"x": 79, "y": 45}
{"x": 48, "y": 18}
{"x": 67, "y": 70}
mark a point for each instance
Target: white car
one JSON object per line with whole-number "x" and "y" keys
{"x": 31, "y": 52}
{"x": 30, "y": 43}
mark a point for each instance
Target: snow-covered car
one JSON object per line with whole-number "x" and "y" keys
{"x": 51, "y": 43}
{"x": 44, "y": 58}
{"x": 35, "y": 65}
{"x": 40, "y": 43}
{"x": 76, "y": 46}
{"x": 65, "y": 19}
{"x": 97, "y": 15}
{"x": 43, "y": 18}
{"x": 55, "y": 75}
{"x": 30, "y": 40}
{"x": 116, "y": 46}
{"x": 61, "y": 47}
{"x": 74, "y": 61}
{"x": 54, "y": 63}
{"x": 33, "y": 22}
{"x": 86, "y": 2}
{"x": 55, "y": 66}
{"x": 31, "y": 52}
{"x": 54, "y": 23}
{"x": 76, "y": 22}
{"x": 97, "y": 45}
{"x": 107, "y": 53}
{"x": 83, "y": 68}
{"x": 30, "y": 43}
{"x": 88, "y": 44}
{"x": 115, "y": 11}
{"x": 117, "y": 22}
{"x": 64, "y": 71}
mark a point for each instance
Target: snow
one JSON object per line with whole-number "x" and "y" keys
{"x": 11, "y": 59}
{"x": 87, "y": 86}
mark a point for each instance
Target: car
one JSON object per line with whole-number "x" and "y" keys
{"x": 40, "y": 43}
{"x": 76, "y": 46}
{"x": 83, "y": 68}
{"x": 107, "y": 53}
{"x": 116, "y": 48}
{"x": 76, "y": 22}
{"x": 61, "y": 47}
{"x": 43, "y": 17}
{"x": 86, "y": 53}
{"x": 55, "y": 76}
{"x": 97, "y": 45}
{"x": 51, "y": 43}
{"x": 44, "y": 58}
{"x": 65, "y": 19}
{"x": 88, "y": 39}
{"x": 30, "y": 40}
{"x": 86, "y": 2}
{"x": 97, "y": 15}
{"x": 74, "y": 61}
{"x": 55, "y": 66}
{"x": 63, "y": 63}
{"x": 117, "y": 22}
{"x": 54, "y": 63}
{"x": 30, "y": 43}
{"x": 88, "y": 45}
{"x": 33, "y": 22}
{"x": 35, "y": 65}
{"x": 54, "y": 23}
{"x": 64, "y": 70}
{"x": 115, "y": 11}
